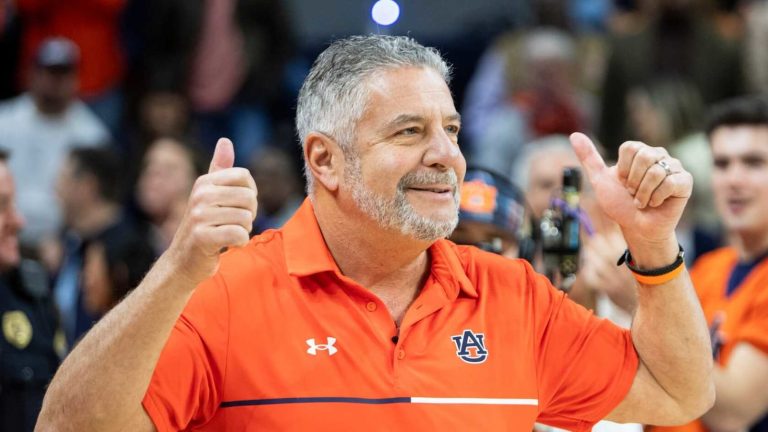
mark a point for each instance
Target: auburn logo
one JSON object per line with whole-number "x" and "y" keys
{"x": 470, "y": 347}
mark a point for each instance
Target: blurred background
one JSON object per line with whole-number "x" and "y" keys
{"x": 109, "y": 109}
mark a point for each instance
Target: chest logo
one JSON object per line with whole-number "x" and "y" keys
{"x": 315, "y": 347}
{"x": 470, "y": 347}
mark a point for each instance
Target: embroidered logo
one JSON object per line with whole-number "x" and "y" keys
{"x": 314, "y": 347}
{"x": 470, "y": 347}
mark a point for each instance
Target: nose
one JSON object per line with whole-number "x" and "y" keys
{"x": 443, "y": 152}
{"x": 17, "y": 219}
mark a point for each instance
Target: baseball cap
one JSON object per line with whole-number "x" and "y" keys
{"x": 490, "y": 198}
{"x": 57, "y": 52}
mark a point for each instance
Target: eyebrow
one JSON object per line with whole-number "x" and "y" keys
{"x": 415, "y": 118}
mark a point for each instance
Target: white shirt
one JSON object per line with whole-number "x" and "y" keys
{"x": 38, "y": 146}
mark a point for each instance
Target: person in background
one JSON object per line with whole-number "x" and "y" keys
{"x": 39, "y": 128}
{"x": 169, "y": 170}
{"x": 94, "y": 25}
{"x": 89, "y": 190}
{"x": 114, "y": 264}
{"x": 31, "y": 344}
{"x": 732, "y": 282}
{"x": 493, "y": 216}
{"x": 280, "y": 188}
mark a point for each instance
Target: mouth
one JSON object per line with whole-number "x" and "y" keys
{"x": 737, "y": 205}
{"x": 439, "y": 189}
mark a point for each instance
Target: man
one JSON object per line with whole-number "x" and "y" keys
{"x": 39, "y": 128}
{"x": 732, "y": 282}
{"x": 358, "y": 312}
{"x": 30, "y": 344}
{"x": 88, "y": 190}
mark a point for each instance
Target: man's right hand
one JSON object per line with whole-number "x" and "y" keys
{"x": 219, "y": 215}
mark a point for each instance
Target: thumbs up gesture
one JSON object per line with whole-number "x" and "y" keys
{"x": 644, "y": 193}
{"x": 219, "y": 214}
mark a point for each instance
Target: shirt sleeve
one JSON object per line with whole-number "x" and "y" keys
{"x": 585, "y": 365}
{"x": 754, "y": 330}
{"x": 186, "y": 387}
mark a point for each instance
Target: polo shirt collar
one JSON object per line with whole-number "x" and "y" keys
{"x": 305, "y": 250}
{"x": 306, "y": 253}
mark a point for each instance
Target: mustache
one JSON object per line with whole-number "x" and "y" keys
{"x": 429, "y": 177}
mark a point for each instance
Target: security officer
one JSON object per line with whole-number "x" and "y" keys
{"x": 31, "y": 344}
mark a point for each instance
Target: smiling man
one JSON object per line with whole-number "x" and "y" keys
{"x": 358, "y": 313}
{"x": 732, "y": 282}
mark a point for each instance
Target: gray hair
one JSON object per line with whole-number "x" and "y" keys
{"x": 550, "y": 144}
{"x": 334, "y": 95}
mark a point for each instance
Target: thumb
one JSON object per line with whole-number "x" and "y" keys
{"x": 590, "y": 159}
{"x": 223, "y": 155}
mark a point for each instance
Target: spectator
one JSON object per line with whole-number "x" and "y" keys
{"x": 731, "y": 281}
{"x": 168, "y": 173}
{"x": 39, "y": 128}
{"x": 94, "y": 26}
{"x": 493, "y": 215}
{"x": 280, "y": 188}
{"x": 187, "y": 42}
{"x": 31, "y": 345}
{"x": 676, "y": 41}
{"x": 114, "y": 264}
{"x": 88, "y": 189}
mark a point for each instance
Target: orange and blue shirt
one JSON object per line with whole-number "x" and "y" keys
{"x": 280, "y": 339}
{"x": 734, "y": 297}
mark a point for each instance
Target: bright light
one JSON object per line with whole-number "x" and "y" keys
{"x": 385, "y": 12}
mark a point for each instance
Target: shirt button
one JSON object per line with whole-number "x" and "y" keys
{"x": 401, "y": 354}
{"x": 371, "y": 306}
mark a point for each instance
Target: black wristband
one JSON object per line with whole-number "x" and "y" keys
{"x": 626, "y": 258}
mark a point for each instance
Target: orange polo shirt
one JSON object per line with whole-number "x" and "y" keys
{"x": 279, "y": 339}
{"x": 741, "y": 317}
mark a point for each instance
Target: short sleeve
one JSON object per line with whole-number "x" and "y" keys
{"x": 186, "y": 387}
{"x": 585, "y": 365}
{"x": 754, "y": 330}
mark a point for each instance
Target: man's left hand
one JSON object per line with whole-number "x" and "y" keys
{"x": 645, "y": 192}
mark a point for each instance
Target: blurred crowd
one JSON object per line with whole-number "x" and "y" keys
{"x": 109, "y": 110}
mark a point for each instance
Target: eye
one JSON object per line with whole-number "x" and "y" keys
{"x": 452, "y": 129}
{"x": 409, "y": 131}
{"x": 721, "y": 163}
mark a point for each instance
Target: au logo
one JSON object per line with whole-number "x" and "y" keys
{"x": 17, "y": 329}
{"x": 470, "y": 347}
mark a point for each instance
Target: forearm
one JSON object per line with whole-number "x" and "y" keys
{"x": 101, "y": 384}
{"x": 740, "y": 385}
{"x": 670, "y": 333}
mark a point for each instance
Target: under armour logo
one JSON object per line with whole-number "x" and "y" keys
{"x": 470, "y": 346}
{"x": 314, "y": 347}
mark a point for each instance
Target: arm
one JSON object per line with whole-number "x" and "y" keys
{"x": 101, "y": 384}
{"x": 741, "y": 386}
{"x": 673, "y": 384}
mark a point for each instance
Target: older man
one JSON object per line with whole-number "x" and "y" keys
{"x": 358, "y": 314}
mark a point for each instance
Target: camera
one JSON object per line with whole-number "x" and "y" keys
{"x": 559, "y": 231}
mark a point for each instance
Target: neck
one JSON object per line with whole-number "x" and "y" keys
{"x": 750, "y": 246}
{"x": 96, "y": 219}
{"x": 377, "y": 259}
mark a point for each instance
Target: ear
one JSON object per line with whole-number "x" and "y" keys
{"x": 324, "y": 159}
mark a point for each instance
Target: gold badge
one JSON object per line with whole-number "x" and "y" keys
{"x": 17, "y": 329}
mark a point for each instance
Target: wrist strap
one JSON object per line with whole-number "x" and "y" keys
{"x": 656, "y": 276}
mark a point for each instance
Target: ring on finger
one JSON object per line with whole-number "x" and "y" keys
{"x": 664, "y": 164}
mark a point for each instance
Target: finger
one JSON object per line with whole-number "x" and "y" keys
{"x": 222, "y": 216}
{"x": 590, "y": 159}
{"x": 227, "y": 236}
{"x": 651, "y": 181}
{"x": 677, "y": 185}
{"x": 231, "y": 177}
{"x": 225, "y": 196}
{"x": 627, "y": 152}
{"x": 645, "y": 157}
{"x": 223, "y": 156}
